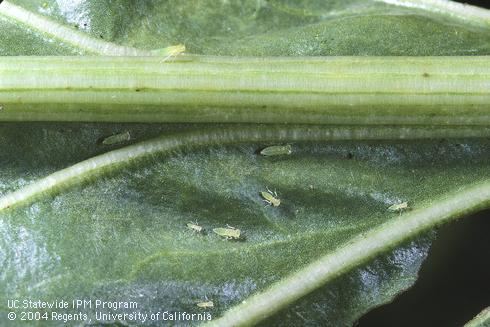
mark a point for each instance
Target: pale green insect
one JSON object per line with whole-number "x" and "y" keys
{"x": 195, "y": 227}
{"x": 230, "y": 233}
{"x": 276, "y": 150}
{"x": 398, "y": 207}
{"x": 117, "y": 138}
{"x": 205, "y": 304}
{"x": 168, "y": 52}
{"x": 271, "y": 198}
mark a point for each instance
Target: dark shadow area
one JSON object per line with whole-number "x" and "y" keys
{"x": 454, "y": 282}
{"x": 480, "y": 3}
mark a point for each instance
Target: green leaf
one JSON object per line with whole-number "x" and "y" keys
{"x": 137, "y": 209}
{"x": 252, "y": 27}
{"x": 80, "y": 219}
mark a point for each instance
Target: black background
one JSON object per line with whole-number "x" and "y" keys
{"x": 481, "y": 3}
{"x": 453, "y": 284}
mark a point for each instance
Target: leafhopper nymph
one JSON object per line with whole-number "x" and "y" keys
{"x": 195, "y": 227}
{"x": 168, "y": 52}
{"x": 230, "y": 233}
{"x": 271, "y": 198}
{"x": 398, "y": 207}
{"x": 205, "y": 304}
{"x": 117, "y": 138}
{"x": 276, "y": 150}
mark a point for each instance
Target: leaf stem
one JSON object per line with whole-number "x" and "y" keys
{"x": 329, "y": 90}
